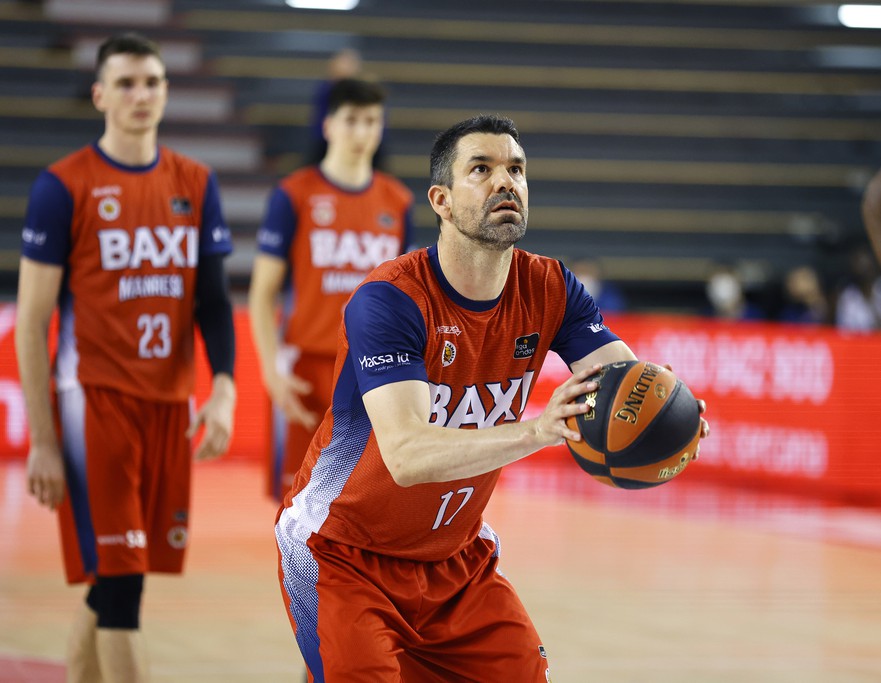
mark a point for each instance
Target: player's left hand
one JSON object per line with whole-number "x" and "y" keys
{"x": 217, "y": 417}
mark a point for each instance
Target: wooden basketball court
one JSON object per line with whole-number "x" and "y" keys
{"x": 683, "y": 583}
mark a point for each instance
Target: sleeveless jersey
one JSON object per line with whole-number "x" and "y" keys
{"x": 331, "y": 238}
{"x": 480, "y": 360}
{"x": 129, "y": 239}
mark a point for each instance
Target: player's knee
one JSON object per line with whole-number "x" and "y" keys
{"x": 117, "y": 601}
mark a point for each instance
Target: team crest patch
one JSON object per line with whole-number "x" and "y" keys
{"x": 525, "y": 346}
{"x": 180, "y": 206}
{"x": 449, "y": 353}
{"x": 386, "y": 220}
{"x": 323, "y": 211}
{"x": 109, "y": 208}
{"x": 177, "y": 537}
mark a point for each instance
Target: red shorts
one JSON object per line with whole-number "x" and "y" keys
{"x": 359, "y": 616}
{"x": 127, "y": 464}
{"x": 290, "y": 440}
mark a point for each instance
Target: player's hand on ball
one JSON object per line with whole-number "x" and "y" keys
{"x": 551, "y": 425}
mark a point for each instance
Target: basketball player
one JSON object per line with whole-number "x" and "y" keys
{"x": 388, "y": 571}
{"x": 127, "y": 239}
{"x": 326, "y": 228}
{"x": 872, "y": 213}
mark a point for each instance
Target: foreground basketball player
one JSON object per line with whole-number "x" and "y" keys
{"x": 388, "y": 571}
{"x": 128, "y": 240}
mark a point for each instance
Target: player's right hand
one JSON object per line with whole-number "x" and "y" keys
{"x": 46, "y": 475}
{"x": 285, "y": 391}
{"x": 551, "y": 427}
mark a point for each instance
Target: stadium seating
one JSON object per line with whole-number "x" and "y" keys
{"x": 662, "y": 138}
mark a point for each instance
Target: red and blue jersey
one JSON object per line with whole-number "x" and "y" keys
{"x": 479, "y": 359}
{"x": 129, "y": 239}
{"x": 331, "y": 238}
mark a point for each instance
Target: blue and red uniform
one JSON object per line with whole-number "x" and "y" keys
{"x": 355, "y": 547}
{"x": 331, "y": 238}
{"x": 129, "y": 240}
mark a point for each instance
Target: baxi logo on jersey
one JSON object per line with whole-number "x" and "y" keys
{"x": 480, "y": 406}
{"x": 159, "y": 247}
{"x": 348, "y": 256}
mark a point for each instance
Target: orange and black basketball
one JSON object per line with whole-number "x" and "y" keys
{"x": 642, "y": 429}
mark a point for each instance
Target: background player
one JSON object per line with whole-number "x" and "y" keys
{"x": 388, "y": 570}
{"x": 128, "y": 239}
{"x": 326, "y": 228}
{"x": 872, "y": 213}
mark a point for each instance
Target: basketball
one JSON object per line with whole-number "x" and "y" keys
{"x": 642, "y": 429}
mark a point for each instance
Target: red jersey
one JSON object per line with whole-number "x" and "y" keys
{"x": 479, "y": 359}
{"x": 129, "y": 239}
{"x": 331, "y": 238}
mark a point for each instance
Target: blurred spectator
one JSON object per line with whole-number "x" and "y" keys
{"x": 858, "y": 307}
{"x": 607, "y": 295}
{"x": 804, "y": 300}
{"x": 343, "y": 64}
{"x": 726, "y": 296}
{"x": 872, "y": 213}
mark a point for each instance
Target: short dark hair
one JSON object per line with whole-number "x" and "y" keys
{"x": 354, "y": 91}
{"x": 125, "y": 44}
{"x": 443, "y": 154}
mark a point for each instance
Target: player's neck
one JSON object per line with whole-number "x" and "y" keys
{"x": 346, "y": 171}
{"x": 129, "y": 150}
{"x": 476, "y": 274}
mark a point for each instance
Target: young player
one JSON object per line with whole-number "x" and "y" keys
{"x": 871, "y": 209}
{"x": 326, "y": 228}
{"x": 387, "y": 568}
{"x": 127, "y": 239}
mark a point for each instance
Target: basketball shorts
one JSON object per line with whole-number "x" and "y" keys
{"x": 290, "y": 440}
{"x": 362, "y": 617}
{"x": 127, "y": 464}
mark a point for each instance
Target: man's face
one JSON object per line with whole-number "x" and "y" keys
{"x": 355, "y": 130}
{"x": 489, "y": 199}
{"x": 131, "y": 93}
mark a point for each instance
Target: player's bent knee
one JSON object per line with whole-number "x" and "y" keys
{"x": 117, "y": 601}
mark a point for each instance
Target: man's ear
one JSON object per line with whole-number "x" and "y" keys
{"x": 438, "y": 197}
{"x": 97, "y": 91}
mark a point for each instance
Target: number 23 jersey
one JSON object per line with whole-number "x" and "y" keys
{"x": 129, "y": 239}
{"x": 479, "y": 360}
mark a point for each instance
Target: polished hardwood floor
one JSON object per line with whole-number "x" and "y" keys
{"x": 687, "y": 583}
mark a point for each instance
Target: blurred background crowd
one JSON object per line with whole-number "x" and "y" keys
{"x": 684, "y": 157}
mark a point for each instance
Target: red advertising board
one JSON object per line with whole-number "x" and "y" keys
{"x": 791, "y": 407}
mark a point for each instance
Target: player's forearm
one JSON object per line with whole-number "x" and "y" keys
{"x": 264, "y": 331}
{"x": 429, "y": 453}
{"x": 32, "y": 350}
{"x": 223, "y": 387}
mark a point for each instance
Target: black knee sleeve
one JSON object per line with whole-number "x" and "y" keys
{"x": 117, "y": 601}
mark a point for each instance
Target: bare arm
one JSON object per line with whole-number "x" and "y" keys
{"x": 871, "y": 208}
{"x": 415, "y": 451}
{"x": 267, "y": 279}
{"x": 38, "y": 288}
